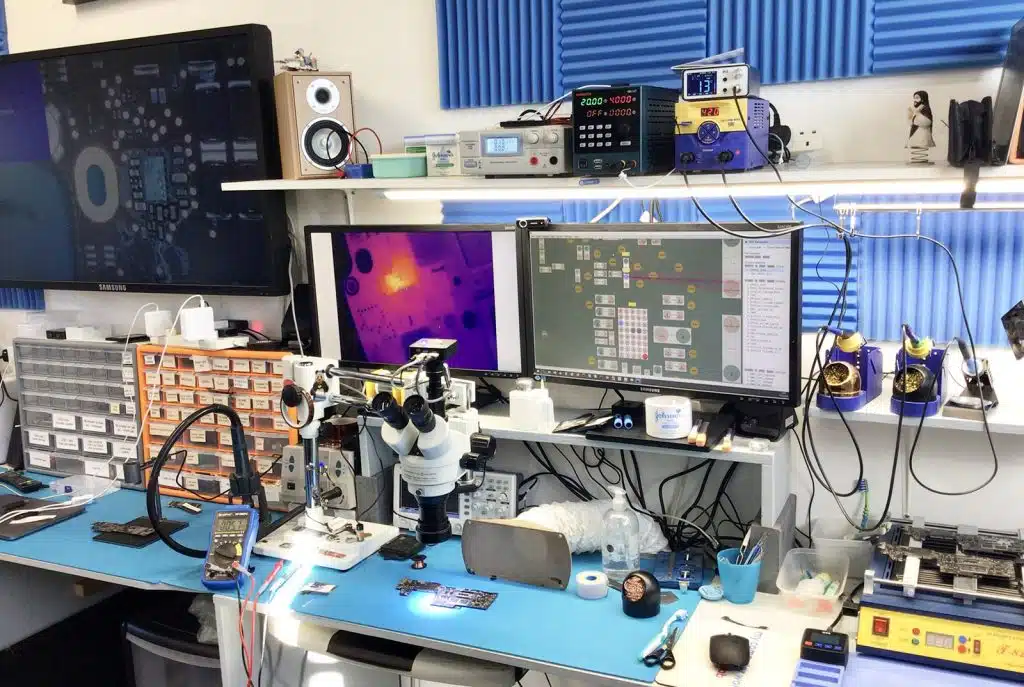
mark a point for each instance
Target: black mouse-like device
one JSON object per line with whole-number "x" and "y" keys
{"x": 730, "y": 652}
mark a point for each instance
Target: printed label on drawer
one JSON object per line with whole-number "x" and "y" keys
{"x": 129, "y": 391}
{"x": 127, "y": 374}
{"x": 240, "y": 382}
{"x": 168, "y": 378}
{"x": 115, "y": 408}
{"x": 159, "y": 430}
{"x": 64, "y": 421}
{"x": 205, "y": 398}
{"x": 264, "y": 464}
{"x": 187, "y": 397}
{"x": 169, "y": 361}
{"x": 240, "y": 365}
{"x": 226, "y": 460}
{"x": 118, "y": 471}
{"x": 258, "y": 366}
{"x": 38, "y": 459}
{"x": 149, "y": 358}
{"x": 276, "y": 385}
{"x": 275, "y": 404}
{"x": 154, "y": 412}
{"x": 223, "y": 399}
{"x": 279, "y": 423}
{"x": 261, "y": 385}
{"x": 129, "y": 408}
{"x": 152, "y": 378}
{"x": 221, "y": 364}
{"x": 225, "y": 438}
{"x": 66, "y": 442}
{"x": 191, "y": 457}
{"x": 221, "y": 383}
{"x": 94, "y": 424}
{"x": 210, "y": 419}
{"x": 124, "y": 428}
{"x": 243, "y": 402}
{"x": 225, "y": 483}
{"x": 223, "y": 420}
{"x": 127, "y": 359}
{"x": 172, "y": 414}
{"x": 186, "y": 379}
{"x": 273, "y": 492}
{"x": 260, "y": 443}
{"x": 197, "y": 436}
{"x": 245, "y": 419}
{"x": 278, "y": 367}
{"x": 191, "y": 482}
{"x": 201, "y": 363}
{"x": 96, "y": 469}
{"x": 261, "y": 404}
{"x": 125, "y": 450}
{"x": 205, "y": 381}
{"x": 171, "y": 396}
{"x": 167, "y": 478}
{"x": 94, "y": 445}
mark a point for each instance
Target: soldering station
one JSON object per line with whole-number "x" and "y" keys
{"x": 396, "y": 471}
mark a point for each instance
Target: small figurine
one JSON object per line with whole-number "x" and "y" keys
{"x": 300, "y": 62}
{"x": 920, "y": 116}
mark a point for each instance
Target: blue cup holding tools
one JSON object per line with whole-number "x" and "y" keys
{"x": 739, "y": 582}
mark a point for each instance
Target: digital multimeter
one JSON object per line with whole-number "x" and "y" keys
{"x": 231, "y": 540}
{"x": 823, "y": 657}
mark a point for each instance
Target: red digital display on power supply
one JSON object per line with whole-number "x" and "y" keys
{"x": 709, "y": 112}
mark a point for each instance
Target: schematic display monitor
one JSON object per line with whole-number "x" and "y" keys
{"x": 378, "y": 289}
{"x": 676, "y": 308}
{"x": 112, "y": 158}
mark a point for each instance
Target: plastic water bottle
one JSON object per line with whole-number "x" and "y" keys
{"x": 620, "y": 550}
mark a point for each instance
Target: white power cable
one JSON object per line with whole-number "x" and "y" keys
{"x": 74, "y": 502}
{"x": 153, "y": 390}
{"x": 291, "y": 281}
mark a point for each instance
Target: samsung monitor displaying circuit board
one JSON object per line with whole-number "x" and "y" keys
{"x": 112, "y": 157}
{"x": 378, "y": 289}
{"x": 667, "y": 308}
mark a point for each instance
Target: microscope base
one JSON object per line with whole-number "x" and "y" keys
{"x": 307, "y": 542}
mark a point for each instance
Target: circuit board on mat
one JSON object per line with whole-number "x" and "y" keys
{"x": 448, "y": 597}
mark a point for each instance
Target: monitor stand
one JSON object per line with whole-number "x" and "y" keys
{"x": 761, "y": 421}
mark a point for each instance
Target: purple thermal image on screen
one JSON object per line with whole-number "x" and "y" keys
{"x": 404, "y": 286}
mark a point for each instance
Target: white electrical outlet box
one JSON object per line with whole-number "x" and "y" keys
{"x": 806, "y": 139}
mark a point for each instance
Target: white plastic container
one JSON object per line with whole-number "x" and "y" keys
{"x": 620, "y": 544}
{"x": 830, "y": 538}
{"x": 443, "y": 158}
{"x": 801, "y": 564}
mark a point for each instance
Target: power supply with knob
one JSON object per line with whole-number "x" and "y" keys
{"x": 542, "y": 150}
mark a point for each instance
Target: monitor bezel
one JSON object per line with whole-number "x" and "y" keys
{"x": 520, "y": 248}
{"x": 793, "y": 395}
{"x": 268, "y": 147}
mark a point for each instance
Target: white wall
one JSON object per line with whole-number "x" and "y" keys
{"x": 390, "y": 47}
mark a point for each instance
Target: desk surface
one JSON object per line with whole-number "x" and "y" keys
{"x": 68, "y": 546}
{"x": 526, "y": 626}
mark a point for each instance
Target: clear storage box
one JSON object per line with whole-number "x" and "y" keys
{"x": 801, "y": 564}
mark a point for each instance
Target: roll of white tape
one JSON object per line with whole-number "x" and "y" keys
{"x": 591, "y": 584}
{"x": 668, "y": 417}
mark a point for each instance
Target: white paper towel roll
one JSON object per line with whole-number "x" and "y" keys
{"x": 591, "y": 584}
{"x": 668, "y": 417}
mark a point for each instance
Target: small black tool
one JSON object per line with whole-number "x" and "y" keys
{"x": 823, "y": 646}
{"x": 401, "y": 548}
{"x": 641, "y": 595}
{"x": 26, "y": 485}
{"x": 134, "y": 338}
{"x": 730, "y": 652}
{"x": 192, "y": 508}
{"x": 663, "y": 656}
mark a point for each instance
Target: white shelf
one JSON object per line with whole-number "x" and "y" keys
{"x": 497, "y": 424}
{"x": 1005, "y": 418}
{"x": 877, "y": 173}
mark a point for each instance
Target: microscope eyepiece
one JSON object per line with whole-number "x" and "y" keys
{"x": 418, "y": 410}
{"x": 385, "y": 405}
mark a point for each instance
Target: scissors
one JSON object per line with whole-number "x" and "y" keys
{"x": 663, "y": 656}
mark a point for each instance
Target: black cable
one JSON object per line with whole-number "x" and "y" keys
{"x": 603, "y": 396}
{"x": 619, "y": 394}
{"x": 359, "y": 143}
{"x": 639, "y": 481}
{"x": 984, "y": 414}
{"x": 810, "y": 501}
